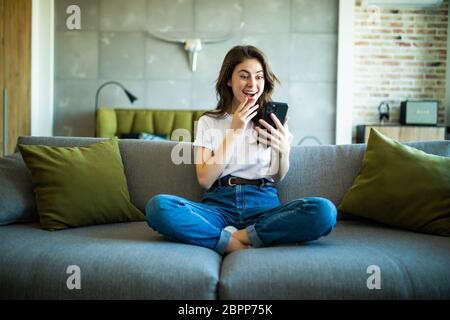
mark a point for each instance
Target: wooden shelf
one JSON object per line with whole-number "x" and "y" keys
{"x": 402, "y": 133}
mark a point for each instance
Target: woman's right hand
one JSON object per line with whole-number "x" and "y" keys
{"x": 243, "y": 114}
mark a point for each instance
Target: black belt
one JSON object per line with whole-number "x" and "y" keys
{"x": 232, "y": 181}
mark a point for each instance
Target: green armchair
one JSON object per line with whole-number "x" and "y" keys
{"x": 111, "y": 122}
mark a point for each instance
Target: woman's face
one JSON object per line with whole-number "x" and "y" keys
{"x": 247, "y": 80}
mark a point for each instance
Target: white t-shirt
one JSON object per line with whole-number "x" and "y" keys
{"x": 249, "y": 160}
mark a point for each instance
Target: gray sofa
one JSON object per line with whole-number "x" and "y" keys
{"x": 131, "y": 261}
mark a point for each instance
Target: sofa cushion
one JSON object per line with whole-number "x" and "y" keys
{"x": 143, "y": 121}
{"x": 106, "y": 123}
{"x": 16, "y": 191}
{"x": 401, "y": 186}
{"x": 125, "y": 119}
{"x": 322, "y": 171}
{"x": 139, "y": 157}
{"x": 116, "y": 261}
{"x": 80, "y": 185}
{"x": 329, "y": 171}
{"x": 340, "y": 266}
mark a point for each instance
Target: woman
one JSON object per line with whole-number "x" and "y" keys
{"x": 238, "y": 158}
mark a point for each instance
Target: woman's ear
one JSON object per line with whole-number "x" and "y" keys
{"x": 229, "y": 83}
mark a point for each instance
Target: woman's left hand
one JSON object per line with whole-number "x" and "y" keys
{"x": 280, "y": 138}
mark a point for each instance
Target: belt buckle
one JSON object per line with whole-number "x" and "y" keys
{"x": 229, "y": 182}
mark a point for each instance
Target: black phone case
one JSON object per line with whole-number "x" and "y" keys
{"x": 278, "y": 108}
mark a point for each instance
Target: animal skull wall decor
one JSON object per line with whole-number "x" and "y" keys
{"x": 191, "y": 45}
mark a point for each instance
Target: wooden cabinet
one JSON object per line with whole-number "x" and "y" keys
{"x": 402, "y": 133}
{"x": 15, "y": 70}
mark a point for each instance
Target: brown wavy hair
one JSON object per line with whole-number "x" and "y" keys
{"x": 235, "y": 56}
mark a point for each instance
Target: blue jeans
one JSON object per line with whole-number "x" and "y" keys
{"x": 243, "y": 206}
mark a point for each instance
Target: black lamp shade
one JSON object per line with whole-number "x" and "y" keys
{"x": 130, "y": 96}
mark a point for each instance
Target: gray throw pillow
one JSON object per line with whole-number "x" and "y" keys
{"x": 16, "y": 191}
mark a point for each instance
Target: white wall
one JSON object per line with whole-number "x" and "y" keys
{"x": 42, "y": 68}
{"x": 344, "y": 101}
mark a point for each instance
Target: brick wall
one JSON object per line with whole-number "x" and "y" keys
{"x": 399, "y": 54}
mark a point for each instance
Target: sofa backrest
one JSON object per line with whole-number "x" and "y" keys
{"x": 326, "y": 171}
{"x": 112, "y": 122}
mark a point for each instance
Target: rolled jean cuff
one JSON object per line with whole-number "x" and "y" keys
{"x": 222, "y": 244}
{"x": 253, "y": 236}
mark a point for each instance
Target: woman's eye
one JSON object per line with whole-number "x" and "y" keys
{"x": 244, "y": 77}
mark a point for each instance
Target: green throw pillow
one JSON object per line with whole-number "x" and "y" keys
{"x": 401, "y": 186}
{"x": 79, "y": 186}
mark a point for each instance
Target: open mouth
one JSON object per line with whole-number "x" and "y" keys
{"x": 250, "y": 94}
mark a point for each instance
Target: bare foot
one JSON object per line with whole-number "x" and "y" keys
{"x": 235, "y": 245}
{"x": 242, "y": 236}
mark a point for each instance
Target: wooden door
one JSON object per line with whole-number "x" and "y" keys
{"x": 2, "y": 67}
{"x": 16, "y": 70}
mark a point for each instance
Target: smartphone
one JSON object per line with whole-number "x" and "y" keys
{"x": 278, "y": 108}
